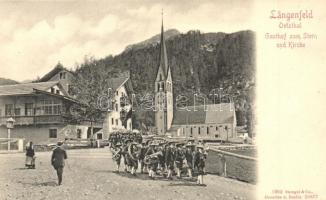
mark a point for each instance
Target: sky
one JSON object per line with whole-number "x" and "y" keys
{"x": 36, "y": 35}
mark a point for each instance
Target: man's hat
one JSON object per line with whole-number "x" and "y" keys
{"x": 179, "y": 144}
{"x": 190, "y": 144}
{"x": 118, "y": 144}
{"x": 59, "y": 143}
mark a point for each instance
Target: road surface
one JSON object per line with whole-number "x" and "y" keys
{"x": 89, "y": 174}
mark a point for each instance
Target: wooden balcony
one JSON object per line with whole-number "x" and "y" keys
{"x": 33, "y": 120}
{"x": 48, "y": 119}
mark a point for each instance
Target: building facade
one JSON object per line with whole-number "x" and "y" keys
{"x": 208, "y": 122}
{"x": 39, "y": 111}
{"x": 119, "y": 113}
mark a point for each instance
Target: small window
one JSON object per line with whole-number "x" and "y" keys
{"x": 17, "y": 111}
{"x": 160, "y": 77}
{"x": 99, "y": 136}
{"x": 216, "y": 136}
{"x": 52, "y": 90}
{"x": 112, "y": 121}
{"x": 58, "y": 91}
{"x": 191, "y": 131}
{"x": 207, "y": 130}
{"x": 116, "y": 122}
{"x": 198, "y": 130}
{"x": 79, "y": 133}
{"x": 52, "y": 133}
{"x": 117, "y": 93}
{"x": 29, "y": 109}
{"x": 9, "y": 109}
{"x": 63, "y": 75}
{"x": 216, "y": 128}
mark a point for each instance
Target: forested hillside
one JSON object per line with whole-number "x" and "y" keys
{"x": 200, "y": 62}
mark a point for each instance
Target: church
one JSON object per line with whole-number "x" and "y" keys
{"x": 207, "y": 122}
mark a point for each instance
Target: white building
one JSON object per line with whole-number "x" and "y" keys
{"x": 119, "y": 114}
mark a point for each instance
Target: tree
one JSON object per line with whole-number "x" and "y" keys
{"x": 90, "y": 87}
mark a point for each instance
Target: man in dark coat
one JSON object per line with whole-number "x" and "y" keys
{"x": 58, "y": 160}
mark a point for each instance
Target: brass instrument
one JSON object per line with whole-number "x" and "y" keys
{"x": 153, "y": 158}
{"x": 116, "y": 155}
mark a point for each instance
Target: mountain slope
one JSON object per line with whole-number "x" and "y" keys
{"x": 5, "y": 81}
{"x": 200, "y": 62}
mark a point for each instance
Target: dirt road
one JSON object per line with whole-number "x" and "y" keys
{"x": 89, "y": 175}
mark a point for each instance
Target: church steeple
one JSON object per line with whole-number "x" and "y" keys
{"x": 163, "y": 55}
{"x": 163, "y": 91}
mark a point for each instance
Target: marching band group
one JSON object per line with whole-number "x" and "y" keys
{"x": 158, "y": 156}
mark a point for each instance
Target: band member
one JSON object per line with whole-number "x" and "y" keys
{"x": 30, "y": 156}
{"x": 133, "y": 154}
{"x": 58, "y": 160}
{"x": 143, "y": 149}
{"x": 117, "y": 151}
{"x": 169, "y": 159}
{"x": 189, "y": 158}
{"x": 161, "y": 157}
{"x": 200, "y": 160}
{"x": 151, "y": 166}
{"x": 124, "y": 154}
{"x": 179, "y": 156}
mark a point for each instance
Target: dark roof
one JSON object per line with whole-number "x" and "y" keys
{"x": 208, "y": 114}
{"x": 53, "y": 72}
{"x": 115, "y": 83}
{"x": 25, "y": 88}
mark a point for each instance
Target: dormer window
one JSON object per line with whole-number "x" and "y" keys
{"x": 52, "y": 90}
{"x": 62, "y": 75}
{"x": 58, "y": 92}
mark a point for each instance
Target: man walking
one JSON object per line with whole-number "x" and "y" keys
{"x": 58, "y": 160}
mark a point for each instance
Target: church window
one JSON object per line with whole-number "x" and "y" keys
{"x": 112, "y": 121}
{"x": 191, "y": 131}
{"x": 163, "y": 86}
{"x": 207, "y": 130}
{"x": 198, "y": 130}
{"x": 216, "y": 128}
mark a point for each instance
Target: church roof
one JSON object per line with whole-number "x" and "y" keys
{"x": 163, "y": 55}
{"x": 205, "y": 114}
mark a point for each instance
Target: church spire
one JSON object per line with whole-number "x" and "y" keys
{"x": 163, "y": 55}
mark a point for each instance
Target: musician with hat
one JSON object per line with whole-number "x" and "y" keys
{"x": 189, "y": 157}
{"x": 151, "y": 159}
{"x": 179, "y": 157}
{"x": 143, "y": 149}
{"x": 124, "y": 154}
{"x": 117, "y": 154}
{"x": 169, "y": 159}
{"x": 200, "y": 161}
{"x": 133, "y": 154}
